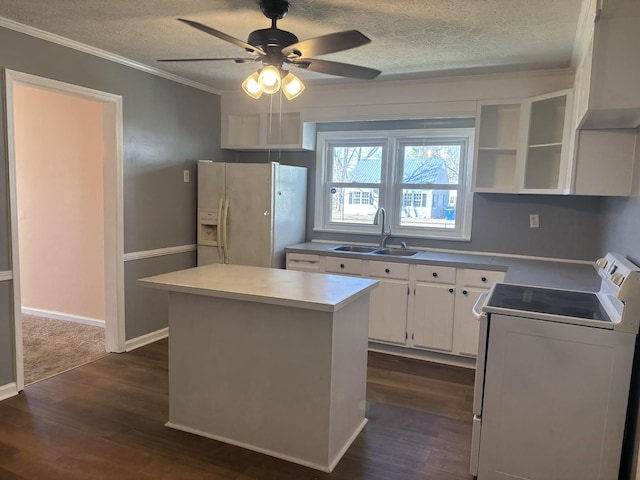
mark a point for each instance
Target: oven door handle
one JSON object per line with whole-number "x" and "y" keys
{"x": 477, "y": 307}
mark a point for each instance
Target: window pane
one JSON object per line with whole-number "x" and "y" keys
{"x": 428, "y": 208}
{"x": 360, "y": 164}
{"x": 354, "y": 205}
{"x": 428, "y": 164}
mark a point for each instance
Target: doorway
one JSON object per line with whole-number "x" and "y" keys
{"x": 99, "y": 296}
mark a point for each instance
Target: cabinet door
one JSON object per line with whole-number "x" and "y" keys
{"x": 388, "y": 311}
{"x": 466, "y": 327}
{"x": 498, "y": 137}
{"x": 547, "y": 152}
{"x": 433, "y": 316}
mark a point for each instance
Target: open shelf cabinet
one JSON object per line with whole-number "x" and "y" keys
{"x": 522, "y": 145}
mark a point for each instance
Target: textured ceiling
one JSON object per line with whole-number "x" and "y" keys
{"x": 410, "y": 38}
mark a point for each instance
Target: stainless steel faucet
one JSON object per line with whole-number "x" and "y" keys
{"x": 384, "y": 235}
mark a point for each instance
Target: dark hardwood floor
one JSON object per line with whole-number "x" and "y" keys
{"x": 105, "y": 420}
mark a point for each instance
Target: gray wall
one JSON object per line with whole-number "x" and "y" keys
{"x": 621, "y": 220}
{"x": 569, "y": 225}
{"x": 167, "y": 127}
{"x": 6, "y": 334}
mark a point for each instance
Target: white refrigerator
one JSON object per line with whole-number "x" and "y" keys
{"x": 249, "y": 212}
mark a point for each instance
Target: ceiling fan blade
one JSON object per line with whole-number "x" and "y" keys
{"x": 237, "y": 60}
{"x": 333, "y": 42}
{"x": 223, "y": 36}
{"x": 336, "y": 68}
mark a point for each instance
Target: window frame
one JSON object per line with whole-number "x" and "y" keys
{"x": 391, "y": 186}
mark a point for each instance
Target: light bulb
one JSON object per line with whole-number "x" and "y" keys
{"x": 291, "y": 86}
{"x": 251, "y": 86}
{"x": 269, "y": 79}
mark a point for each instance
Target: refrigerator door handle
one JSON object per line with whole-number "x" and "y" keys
{"x": 225, "y": 247}
{"x": 219, "y": 229}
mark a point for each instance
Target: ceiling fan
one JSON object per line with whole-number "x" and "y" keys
{"x": 275, "y": 47}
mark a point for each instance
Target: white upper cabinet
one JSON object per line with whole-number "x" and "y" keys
{"x": 264, "y": 130}
{"x": 497, "y": 153}
{"x": 608, "y": 74}
{"x": 522, "y": 146}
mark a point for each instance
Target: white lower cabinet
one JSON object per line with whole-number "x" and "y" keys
{"x": 472, "y": 283}
{"x": 440, "y": 310}
{"x": 466, "y": 326}
{"x": 425, "y": 307}
{"x": 388, "y": 307}
{"x": 432, "y": 307}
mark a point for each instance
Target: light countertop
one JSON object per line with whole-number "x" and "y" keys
{"x": 535, "y": 272}
{"x": 290, "y": 288}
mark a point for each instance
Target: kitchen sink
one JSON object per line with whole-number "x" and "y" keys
{"x": 354, "y": 249}
{"x": 399, "y": 252}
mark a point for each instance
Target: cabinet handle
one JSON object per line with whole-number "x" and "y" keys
{"x": 464, "y": 292}
{"x": 484, "y": 279}
{"x": 342, "y": 265}
{"x": 386, "y": 270}
{"x": 435, "y": 275}
{"x": 451, "y": 290}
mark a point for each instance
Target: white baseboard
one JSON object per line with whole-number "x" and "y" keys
{"x": 67, "y": 317}
{"x": 143, "y": 340}
{"x": 248, "y": 446}
{"x": 8, "y": 390}
{"x": 437, "y": 357}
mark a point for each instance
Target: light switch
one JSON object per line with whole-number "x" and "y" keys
{"x": 185, "y": 175}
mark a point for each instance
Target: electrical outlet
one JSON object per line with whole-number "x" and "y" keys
{"x": 534, "y": 220}
{"x": 185, "y": 176}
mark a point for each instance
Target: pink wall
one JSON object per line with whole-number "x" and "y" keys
{"x": 58, "y": 142}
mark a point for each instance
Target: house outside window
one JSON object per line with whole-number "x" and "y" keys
{"x": 421, "y": 178}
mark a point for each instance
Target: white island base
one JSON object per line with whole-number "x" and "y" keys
{"x": 279, "y": 369}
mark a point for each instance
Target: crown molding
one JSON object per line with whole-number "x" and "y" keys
{"x": 66, "y": 42}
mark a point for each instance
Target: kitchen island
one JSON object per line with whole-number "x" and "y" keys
{"x": 270, "y": 360}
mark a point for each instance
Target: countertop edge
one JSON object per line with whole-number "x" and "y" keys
{"x": 258, "y": 298}
{"x": 533, "y": 271}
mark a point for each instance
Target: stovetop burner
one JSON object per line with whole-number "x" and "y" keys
{"x": 549, "y": 301}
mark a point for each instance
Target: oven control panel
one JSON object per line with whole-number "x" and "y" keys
{"x": 622, "y": 278}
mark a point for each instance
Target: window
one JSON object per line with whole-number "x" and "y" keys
{"x": 418, "y": 176}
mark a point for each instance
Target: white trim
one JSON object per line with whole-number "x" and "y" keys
{"x": 159, "y": 252}
{"x": 82, "y": 47}
{"x": 67, "y": 317}
{"x": 113, "y": 208}
{"x": 391, "y": 185}
{"x": 426, "y": 355}
{"x": 272, "y": 453}
{"x": 8, "y": 390}
{"x": 146, "y": 339}
{"x": 4, "y": 276}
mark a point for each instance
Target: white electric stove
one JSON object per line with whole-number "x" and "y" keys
{"x": 553, "y": 376}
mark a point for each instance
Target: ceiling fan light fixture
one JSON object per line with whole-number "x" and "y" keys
{"x": 292, "y": 86}
{"x": 251, "y": 86}
{"x": 269, "y": 79}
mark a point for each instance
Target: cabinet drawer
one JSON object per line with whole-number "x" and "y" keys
{"x": 435, "y": 274}
{"x": 389, "y": 270}
{"x": 303, "y": 261}
{"x": 350, "y": 266}
{"x": 481, "y": 278}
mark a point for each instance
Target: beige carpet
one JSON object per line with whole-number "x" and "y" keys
{"x": 52, "y": 346}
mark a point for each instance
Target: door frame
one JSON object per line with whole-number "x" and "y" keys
{"x": 112, "y": 168}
